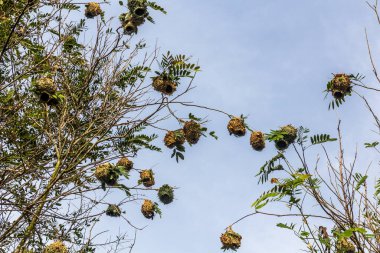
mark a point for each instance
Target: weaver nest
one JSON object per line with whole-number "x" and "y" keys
{"x": 257, "y": 140}
{"x": 125, "y": 163}
{"x": 138, "y": 8}
{"x": 174, "y": 138}
{"x": 56, "y": 247}
{"x": 92, "y": 10}
{"x": 236, "y": 127}
{"x": 166, "y": 194}
{"x": 106, "y": 174}
{"x": 164, "y": 85}
{"x": 45, "y": 88}
{"x": 345, "y": 246}
{"x": 340, "y": 86}
{"x": 148, "y": 209}
{"x": 113, "y": 211}
{"x": 290, "y": 135}
{"x": 230, "y": 240}
{"x": 192, "y": 131}
{"x": 147, "y": 178}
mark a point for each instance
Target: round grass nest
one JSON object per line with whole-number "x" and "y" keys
{"x": 92, "y": 10}
{"x": 138, "y": 8}
{"x": 257, "y": 140}
{"x": 236, "y": 127}
{"x": 290, "y": 135}
{"x": 113, "y": 211}
{"x": 230, "y": 240}
{"x": 125, "y": 163}
{"x": 56, "y": 247}
{"x": 345, "y": 246}
{"x": 45, "y": 88}
{"x": 192, "y": 131}
{"x": 174, "y": 138}
{"x": 147, "y": 178}
{"x": 164, "y": 85}
{"x": 105, "y": 174}
{"x": 148, "y": 209}
{"x": 340, "y": 86}
{"x": 130, "y": 23}
{"x": 166, "y": 194}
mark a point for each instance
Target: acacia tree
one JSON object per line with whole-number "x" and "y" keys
{"x": 346, "y": 202}
{"x": 75, "y": 112}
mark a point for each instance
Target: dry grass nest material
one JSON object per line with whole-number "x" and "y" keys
{"x": 290, "y": 135}
{"x": 113, "y": 211}
{"x": 230, "y": 240}
{"x": 147, "y": 178}
{"x": 257, "y": 140}
{"x": 236, "y": 127}
{"x": 105, "y": 174}
{"x": 166, "y": 194}
{"x": 192, "y": 131}
{"x": 125, "y": 163}
{"x": 45, "y": 88}
{"x": 148, "y": 209}
{"x": 92, "y": 10}
{"x": 345, "y": 246}
{"x": 340, "y": 86}
{"x": 56, "y": 247}
{"x": 164, "y": 85}
{"x": 174, "y": 138}
{"x": 138, "y": 8}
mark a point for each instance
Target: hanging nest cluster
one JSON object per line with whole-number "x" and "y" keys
{"x": 345, "y": 246}
{"x": 56, "y": 247}
{"x": 148, "y": 209}
{"x": 125, "y": 163}
{"x": 138, "y": 11}
{"x": 106, "y": 174}
{"x": 236, "y": 127}
{"x": 289, "y": 136}
{"x": 340, "y": 86}
{"x": 45, "y": 89}
{"x": 164, "y": 84}
{"x": 192, "y": 131}
{"x": 92, "y": 10}
{"x": 147, "y": 178}
{"x": 113, "y": 211}
{"x": 257, "y": 140}
{"x": 166, "y": 194}
{"x": 174, "y": 138}
{"x": 230, "y": 240}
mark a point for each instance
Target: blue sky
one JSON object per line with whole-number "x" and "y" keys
{"x": 271, "y": 60}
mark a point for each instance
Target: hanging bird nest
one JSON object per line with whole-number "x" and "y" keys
{"x": 56, "y": 247}
{"x": 147, "y": 178}
{"x": 230, "y": 240}
{"x": 345, "y": 246}
{"x": 45, "y": 88}
{"x": 174, "y": 138}
{"x": 192, "y": 131}
{"x": 113, "y": 211}
{"x": 125, "y": 163}
{"x": 130, "y": 23}
{"x": 105, "y": 174}
{"x": 166, "y": 194}
{"x": 290, "y": 135}
{"x": 164, "y": 84}
{"x": 148, "y": 209}
{"x": 340, "y": 86}
{"x": 92, "y": 10}
{"x": 236, "y": 127}
{"x": 257, "y": 140}
{"x": 138, "y": 8}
